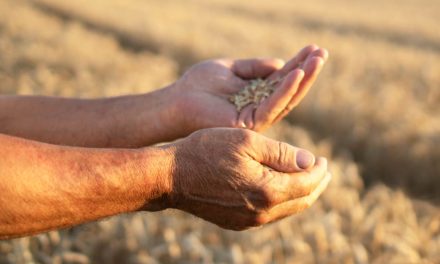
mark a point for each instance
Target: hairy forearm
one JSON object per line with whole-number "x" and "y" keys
{"x": 43, "y": 187}
{"x": 126, "y": 121}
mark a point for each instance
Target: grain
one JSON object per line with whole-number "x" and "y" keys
{"x": 254, "y": 93}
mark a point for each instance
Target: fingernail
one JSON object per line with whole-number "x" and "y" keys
{"x": 304, "y": 159}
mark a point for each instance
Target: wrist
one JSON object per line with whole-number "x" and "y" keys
{"x": 169, "y": 112}
{"x": 142, "y": 120}
{"x": 137, "y": 179}
{"x": 185, "y": 115}
{"x": 156, "y": 178}
{"x": 161, "y": 117}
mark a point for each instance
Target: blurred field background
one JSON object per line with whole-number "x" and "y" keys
{"x": 374, "y": 112}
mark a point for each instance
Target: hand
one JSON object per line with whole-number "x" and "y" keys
{"x": 203, "y": 91}
{"x": 238, "y": 179}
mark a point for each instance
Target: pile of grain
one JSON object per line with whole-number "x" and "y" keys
{"x": 253, "y": 93}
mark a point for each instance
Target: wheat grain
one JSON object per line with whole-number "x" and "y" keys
{"x": 254, "y": 92}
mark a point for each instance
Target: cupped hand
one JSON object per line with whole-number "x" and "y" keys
{"x": 203, "y": 91}
{"x": 237, "y": 178}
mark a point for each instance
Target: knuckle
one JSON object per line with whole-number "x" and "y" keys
{"x": 258, "y": 220}
{"x": 268, "y": 198}
{"x": 245, "y": 136}
{"x": 260, "y": 199}
{"x": 200, "y": 136}
{"x": 303, "y": 188}
{"x": 270, "y": 202}
{"x": 200, "y": 133}
{"x": 306, "y": 188}
{"x": 283, "y": 150}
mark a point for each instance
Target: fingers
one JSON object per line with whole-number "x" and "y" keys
{"x": 303, "y": 56}
{"x": 312, "y": 68}
{"x": 322, "y": 53}
{"x": 280, "y": 207}
{"x": 285, "y": 187}
{"x": 272, "y": 107}
{"x": 246, "y": 117}
{"x": 280, "y": 156}
{"x": 273, "y": 208}
{"x": 299, "y": 74}
{"x": 256, "y": 68}
{"x": 295, "y": 206}
{"x": 296, "y": 61}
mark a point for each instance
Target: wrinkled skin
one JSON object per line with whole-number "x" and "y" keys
{"x": 205, "y": 88}
{"x": 232, "y": 177}
{"x": 239, "y": 179}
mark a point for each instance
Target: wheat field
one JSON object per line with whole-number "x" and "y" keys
{"x": 374, "y": 112}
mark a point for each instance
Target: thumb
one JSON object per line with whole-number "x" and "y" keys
{"x": 256, "y": 68}
{"x": 281, "y": 156}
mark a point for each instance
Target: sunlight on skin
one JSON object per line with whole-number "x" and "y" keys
{"x": 262, "y": 180}
{"x": 199, "y": 99}
{"x": 298, "y": 74}
{"x": 203, "y": 90}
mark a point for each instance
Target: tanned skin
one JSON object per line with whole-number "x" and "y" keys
{"x": 197, "y": 100}
{"x": 234, "y": 178}
{"x": 44, "y": 186}
{"x": 87, "y": 168}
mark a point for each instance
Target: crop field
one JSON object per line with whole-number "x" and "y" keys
{"x": 374, "y": 112}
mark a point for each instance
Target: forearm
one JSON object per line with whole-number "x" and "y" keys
{"x": 126, "y": 121}
{"x": 44, "y": 187}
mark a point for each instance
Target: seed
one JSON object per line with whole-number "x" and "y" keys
{"x": 254, "y": 92}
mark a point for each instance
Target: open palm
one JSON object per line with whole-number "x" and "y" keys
{"x": 205, "y": 88}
